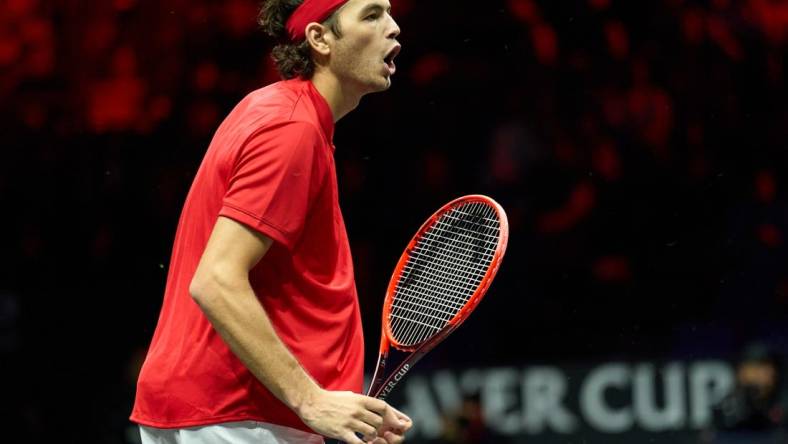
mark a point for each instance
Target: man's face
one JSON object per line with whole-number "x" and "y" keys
{"x": 363, "y": 58}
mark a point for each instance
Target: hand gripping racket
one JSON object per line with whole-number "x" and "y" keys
{"x": 439, "y": 280}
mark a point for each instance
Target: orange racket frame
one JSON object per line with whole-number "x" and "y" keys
{"x": 381, "y": 386}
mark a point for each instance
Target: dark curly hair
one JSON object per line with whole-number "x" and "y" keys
{"x": 292, "y": 59}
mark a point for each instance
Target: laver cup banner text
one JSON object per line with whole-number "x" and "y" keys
{"x": 609, "y": 399}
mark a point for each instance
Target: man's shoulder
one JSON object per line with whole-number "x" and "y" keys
{"x": 278, "y": 104}
{"x": 283, "y": 90}
{"x": 275, "y": 101}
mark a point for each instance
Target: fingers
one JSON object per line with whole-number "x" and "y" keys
{"x": 395, "y": 425}
{"x": 400, "y": 415}
{"x": 376, "y": 405}
{"x": 370, "y": 418}
{"x": 393, "y": 421}
{"x": 365, "y": 429}
{"x": 392, "y": 438}
{"x": 407, "y": 423}
{"x": 355, "y": 419}
{"x": 351, "y": 438}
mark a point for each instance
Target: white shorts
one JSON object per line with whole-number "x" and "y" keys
{"x": 243, "y": 432}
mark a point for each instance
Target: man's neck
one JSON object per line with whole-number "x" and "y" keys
{"x": 341, "y": 98}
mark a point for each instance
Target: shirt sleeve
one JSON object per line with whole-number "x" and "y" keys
{"x": 270, "y": 185}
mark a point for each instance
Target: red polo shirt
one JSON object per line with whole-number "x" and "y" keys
{"x": 270, "y": 166}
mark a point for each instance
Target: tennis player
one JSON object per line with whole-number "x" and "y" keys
{"x": 259, "y": 339}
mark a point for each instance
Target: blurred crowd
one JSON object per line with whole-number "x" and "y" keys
{"x": 754, "y": 412}
{"x": 638, "y": 147}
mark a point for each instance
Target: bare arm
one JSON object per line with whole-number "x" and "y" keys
{"x": 222, "y": 290}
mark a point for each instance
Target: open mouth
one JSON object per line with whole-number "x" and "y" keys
{"x": 389, "y": 58}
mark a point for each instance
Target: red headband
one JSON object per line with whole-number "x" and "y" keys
{"x": 310, "y": 11}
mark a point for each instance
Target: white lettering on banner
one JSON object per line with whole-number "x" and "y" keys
{"x": 674, "y": 397}
{"x": 472, "y": 380}
{"x": 544, "y": 389}
{"x": 427, "y": 419}
{"x": 644, "y": 398}
{"x": 592, "y": 399}
{"x": 499, "y": 394}
{"x": 448, "y": 391}
{"x": 710, "y": 382}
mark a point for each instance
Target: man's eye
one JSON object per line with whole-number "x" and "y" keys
{"x": 371, "y": 17}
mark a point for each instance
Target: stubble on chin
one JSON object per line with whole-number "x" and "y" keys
{"x": 364, "y": 74}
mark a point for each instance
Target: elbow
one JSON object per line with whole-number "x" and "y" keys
{"x": 200, "y": 288}
{"x": 211, "y": 285}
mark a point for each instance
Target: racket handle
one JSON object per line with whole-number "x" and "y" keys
{"x": 336, "y": 441}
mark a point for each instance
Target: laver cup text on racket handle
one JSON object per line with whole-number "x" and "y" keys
{"x": 393, "y": 380}
{"x": 441, "y": 277}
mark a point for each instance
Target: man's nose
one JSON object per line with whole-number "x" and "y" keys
{"x": 394, "y": 29}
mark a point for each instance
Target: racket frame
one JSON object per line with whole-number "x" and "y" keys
{"x": 381, "y": 386}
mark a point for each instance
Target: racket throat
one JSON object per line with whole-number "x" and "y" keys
{"x": 377, "y": 377}
{"x": 388, "y": 385}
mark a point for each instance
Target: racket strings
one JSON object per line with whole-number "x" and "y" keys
{"x": 464, "y": 258}
{"x": 464, "y": 264}
{"x": 453, "y": 283}
{"x": 445, "y": 268}
{"x": 428, "y": 325}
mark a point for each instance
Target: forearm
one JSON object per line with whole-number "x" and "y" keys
{"x": 221, "y": 288}
{"x": 235, "y": 312}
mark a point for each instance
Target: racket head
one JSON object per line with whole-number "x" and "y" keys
{"x": 444, "y": 272}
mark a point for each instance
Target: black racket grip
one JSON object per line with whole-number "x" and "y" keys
{"x": 335, "y": 441}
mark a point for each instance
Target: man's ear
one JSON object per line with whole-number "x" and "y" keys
{"x": 318, "y": 36}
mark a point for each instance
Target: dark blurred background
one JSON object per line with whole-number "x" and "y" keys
{"x": 639, "y": 148}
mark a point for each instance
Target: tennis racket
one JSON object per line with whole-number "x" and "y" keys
{"x": 439, "y": 280}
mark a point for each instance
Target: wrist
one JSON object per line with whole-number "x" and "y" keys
{"x": 304, "y": 398}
